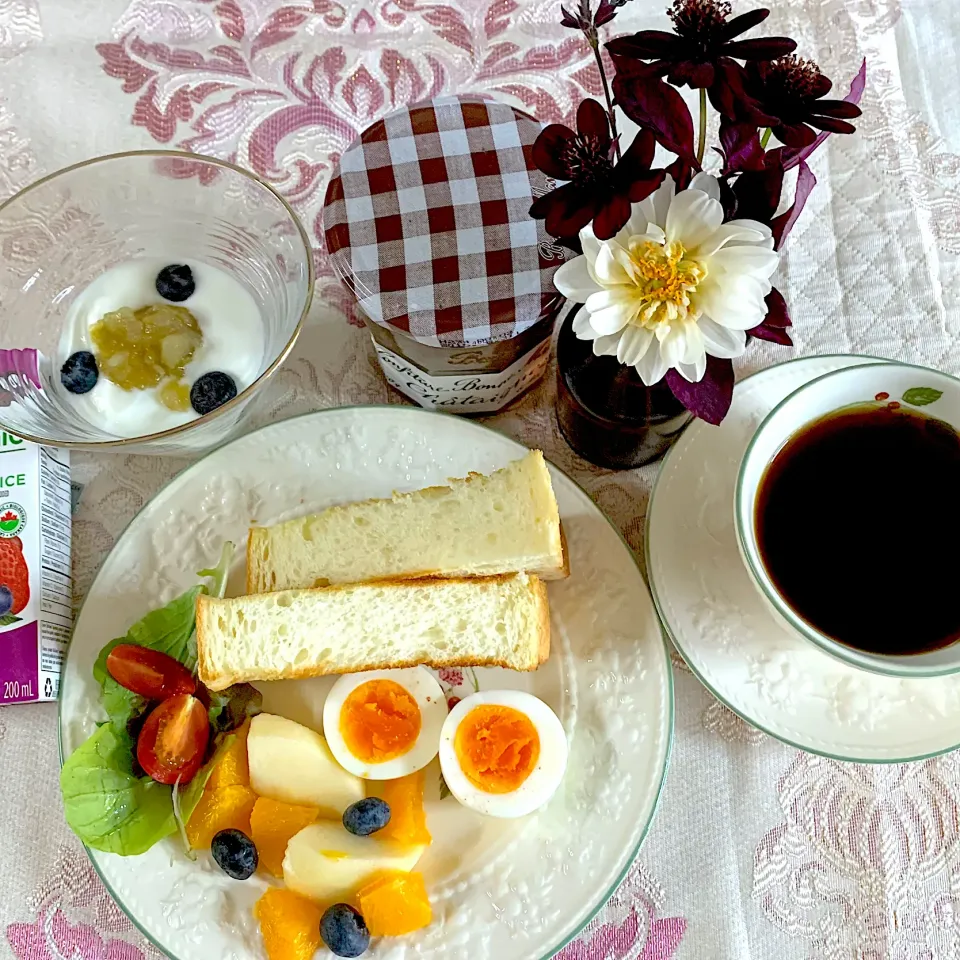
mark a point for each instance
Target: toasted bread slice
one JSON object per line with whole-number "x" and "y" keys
{"x": 507, "y": 522}
{"x": 484, "y": 621}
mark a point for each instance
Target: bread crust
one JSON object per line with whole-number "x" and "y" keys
{"x": 204, "y": 668}
{"x": 219, "y": 681}
{"x": 564, "y": 571}
{"x": 253, "y": 569}
{"x": 222, "y": 681}
{"x": 543, "y": 624}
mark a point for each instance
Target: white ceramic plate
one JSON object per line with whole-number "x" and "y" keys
{"x": 504, "y": 889}
{"x": 731, "y": 640}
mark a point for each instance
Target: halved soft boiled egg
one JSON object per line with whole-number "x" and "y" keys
{"x": 503, "y": 752}
{"x": 384, "y": 724}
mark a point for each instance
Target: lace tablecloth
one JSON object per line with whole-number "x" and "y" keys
{"x": 758, "y": 850}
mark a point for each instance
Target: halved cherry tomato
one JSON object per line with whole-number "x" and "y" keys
{"x": 173, "y": 740}
{"x": 150, "y": 673}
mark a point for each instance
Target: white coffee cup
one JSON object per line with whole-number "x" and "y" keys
{"x": 936, "y": 394}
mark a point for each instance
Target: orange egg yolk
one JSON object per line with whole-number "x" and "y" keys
{"x": 498, "y": 747}
{"x": 379, "y": 721}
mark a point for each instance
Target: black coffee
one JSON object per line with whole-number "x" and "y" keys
{"x": 858, "y": 524}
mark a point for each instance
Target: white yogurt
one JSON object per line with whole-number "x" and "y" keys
{"x": 229, "y": 319}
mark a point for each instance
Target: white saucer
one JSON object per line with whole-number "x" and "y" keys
{"x": 722, "y": 628}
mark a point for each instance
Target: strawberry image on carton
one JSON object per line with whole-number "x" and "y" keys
{"x": 14, "y": 575}
{"x": 36, "y": 589}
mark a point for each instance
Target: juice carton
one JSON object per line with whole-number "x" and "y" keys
{"x": 36, "y": 590}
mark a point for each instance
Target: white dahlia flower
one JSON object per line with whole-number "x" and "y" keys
{"x": 674, "y": 285}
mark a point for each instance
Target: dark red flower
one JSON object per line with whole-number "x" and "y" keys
{"x": 792, "y": 90}
{"x": 598, "y": 190}
{"x": 703, "y": 38}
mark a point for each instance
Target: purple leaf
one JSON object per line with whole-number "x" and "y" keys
{"x": 682, "y": 170}
{"x": 710, "y": 398}
{"x": 654, "y": 104}
{"x": 774, "y": 326}
{"x": 792, "y": 157}
{"x": 741, "y": 147}
{"x": 728, "y": 199}
{"x": 758, "y": 192}
{"x": 783, "y": 224}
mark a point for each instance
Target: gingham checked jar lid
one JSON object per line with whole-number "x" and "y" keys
{"x": 427, "y": 222}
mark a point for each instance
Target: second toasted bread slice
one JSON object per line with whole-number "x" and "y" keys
{"x": 492, "y": 621}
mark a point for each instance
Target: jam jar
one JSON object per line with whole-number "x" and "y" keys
{"x": 427, "y": 223}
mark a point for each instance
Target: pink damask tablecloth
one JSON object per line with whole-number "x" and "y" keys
{"x": 758, "y": 851}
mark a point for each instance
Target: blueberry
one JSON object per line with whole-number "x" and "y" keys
{"x": 176, "y": 283}
{"x": 344, "y": 931}
{"x": 212, "y": 390}
{"x": 366, "y": 816}
{"x": 235, "y": 853}
{"x": 6, "y": 600}
{"x": 79, "y": 374}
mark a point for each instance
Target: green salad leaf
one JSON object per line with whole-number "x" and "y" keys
{"x": 232, "y": 707}
{"x": 106, "y": 805}
{"x": 123, "y": 706}
{"x": 169, "y": 630}
{"x": 220, "y": 572}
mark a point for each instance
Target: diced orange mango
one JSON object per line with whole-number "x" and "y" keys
{"x": 232, "y": 769}
{"x": 394, "y": 904}
{"x": 408, "y": 822}
{"x": 272, "y": 824}
{"x": 223, "y": 809}
{"x": 290, "y": 924}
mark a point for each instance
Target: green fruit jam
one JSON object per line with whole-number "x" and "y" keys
{"x": 141, "y": 348}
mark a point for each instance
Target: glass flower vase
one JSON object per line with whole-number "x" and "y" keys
{"x": 606, "y": 412}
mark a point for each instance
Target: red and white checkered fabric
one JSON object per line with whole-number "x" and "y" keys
{"x": 427, "y": 221}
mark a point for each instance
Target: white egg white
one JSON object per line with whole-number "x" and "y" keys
{"x": 545, "y": 777}
{"x": 421, "y": 684}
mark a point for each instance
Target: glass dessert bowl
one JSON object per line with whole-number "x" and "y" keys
{"x": 148, "y": 297}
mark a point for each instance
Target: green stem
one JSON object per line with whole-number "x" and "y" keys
{"x": 765, "y": 139}
{"x": 702, "y": 141}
